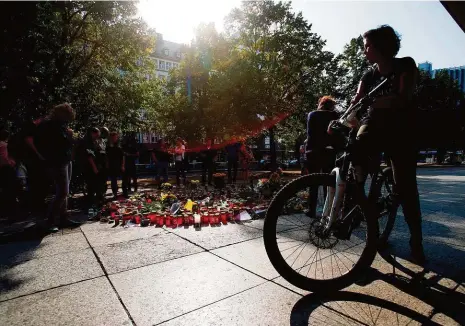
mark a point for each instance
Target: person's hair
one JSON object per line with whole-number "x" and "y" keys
{"x": 4, "y": 134}
{"x": 92, "y": 130}
{"x": 62, "y": 112}
{"x": 326, "y": 103}
{"x": 385, "y": 39}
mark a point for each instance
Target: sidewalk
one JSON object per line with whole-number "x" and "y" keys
{"x": 99, "y": 275}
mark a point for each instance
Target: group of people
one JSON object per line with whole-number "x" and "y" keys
{"x": 388, "y": 127}
{"x": 101, "y": 156}
{"x": 47, "y": 148}
{"x": 237, "y": 155}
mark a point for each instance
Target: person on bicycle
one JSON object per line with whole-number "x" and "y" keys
{"x": 390, "y": 123}
{"x": 321, "y": 154}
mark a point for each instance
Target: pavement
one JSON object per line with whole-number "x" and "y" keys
{"x": 98, "y": 275}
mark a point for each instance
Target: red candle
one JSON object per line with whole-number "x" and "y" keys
{"x": 224, "y": 218}
{"x": 160, "y": 221}
{"x": 113, "y": 214}
{"x": 191, "y": 219}
{"x": 137, "y": 219}
{"x": 217, "y": 218}
{"x": 167, "y": 221}
{"x": 212, "y": 219}
{"x": 174, "y": 221}
{"x": 179, "y": 220}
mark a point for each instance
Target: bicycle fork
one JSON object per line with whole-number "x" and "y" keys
{"x": 334, "y": 198}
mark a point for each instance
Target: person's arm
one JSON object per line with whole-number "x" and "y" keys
{"x": 123, "y": 162}
{"x": 30, "y": 142}
{"x": 154, "y": 157}
{"x": 90, "y": 159}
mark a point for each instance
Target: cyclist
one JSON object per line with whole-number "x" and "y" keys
{"x": 390, "y": 124}
{"x": 321, "y": 154}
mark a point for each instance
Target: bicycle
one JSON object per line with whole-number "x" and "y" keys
{"x": 347, "y": 214}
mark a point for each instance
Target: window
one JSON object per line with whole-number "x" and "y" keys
{"x": 166, "y": 52}
{"x": 178, "y": 54}
{"x": 162, "y": 65}
{"x": 175, "y": 65}
{"x": 168, "y": 65}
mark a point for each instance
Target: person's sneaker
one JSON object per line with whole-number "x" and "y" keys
{"x": 53, "y": 229}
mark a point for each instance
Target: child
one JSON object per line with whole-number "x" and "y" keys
{"x": 131, "y": 154}
{"x": 116, "y": 161}
{"x": 179, "y": 151}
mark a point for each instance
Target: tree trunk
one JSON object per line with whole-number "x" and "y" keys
{"x": 272, "y": 150}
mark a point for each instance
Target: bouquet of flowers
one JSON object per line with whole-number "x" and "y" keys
{"x": 168, "y": 199}
{"x": 166, "y": 186}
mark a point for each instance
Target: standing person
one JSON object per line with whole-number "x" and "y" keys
{"x": 8, "y": 180}
{"x": 102, "y": 161}
{"x": 116, "y": 161}
{"x": 321, "y": 154}
{"x": 33, "y": 160}
{"x": 208, "y": 157}
{"x": 53, "y": 142}
{"x": 161, "y": 158}
{"x": 89, "y": 165}
{"x": 131, "y": 153}
{"x": 246, "y": 158}
{"x": 232, "y": 153}
{"x": 179, "y": 152}
{"x": 391, "y": 124}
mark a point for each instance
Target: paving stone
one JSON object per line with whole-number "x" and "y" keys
{"x": 267, "y": 304}
{"x": 89, "y": 303}
{"x": 216, "y": 237}
{"x": 122, "y": 256}
{"x": 100, "y": 234}
{"x": 160, "y": 292}
{"x": 47, "y": 272}
{"x": 250, "y": 255}
{"x": 17, "y": 252}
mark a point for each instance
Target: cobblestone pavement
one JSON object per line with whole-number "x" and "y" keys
{"x": 99, "y": 275}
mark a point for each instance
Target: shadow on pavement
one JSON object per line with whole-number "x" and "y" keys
{"x": 345, "y": 307}
{"x": 306, "y": 311}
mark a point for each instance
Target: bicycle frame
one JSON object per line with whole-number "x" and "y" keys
{"x": 335, "y": 196}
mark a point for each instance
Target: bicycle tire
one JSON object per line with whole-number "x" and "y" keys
{"x": 387, "y": 178}
{"x": 279, "y": 263}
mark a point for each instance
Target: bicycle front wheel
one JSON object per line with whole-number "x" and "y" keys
{"x": 304, "y": 254}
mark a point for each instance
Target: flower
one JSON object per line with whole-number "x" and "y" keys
{"x": 219, "y": 175}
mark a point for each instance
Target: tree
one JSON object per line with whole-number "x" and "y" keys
{"x": 87, "y": 53}
{"x": 352, "y": 65}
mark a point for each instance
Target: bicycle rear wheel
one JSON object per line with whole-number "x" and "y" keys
{"x": 330, "y": 263}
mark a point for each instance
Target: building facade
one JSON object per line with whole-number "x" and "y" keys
{"x": 457, "y": 73}
{"x": 167, "y": 56}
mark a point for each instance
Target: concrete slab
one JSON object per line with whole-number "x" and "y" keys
{"x": 216, "y": 237}
{"x": 91, "y": 302}
{"x": 157, "y": 293}
{"x": 250, "y": 255}
{"x": 16, "y": 252}
{"x": 267, "y": 304}
{"x": 100, "y": 234}
{"x": 48, "y": 272}
{"x": 122, "y": 256}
